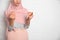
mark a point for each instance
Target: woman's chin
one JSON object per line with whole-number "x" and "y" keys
{"x": 16, "y": 4}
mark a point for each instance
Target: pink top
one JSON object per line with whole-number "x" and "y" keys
{"x": 20, "y": 13}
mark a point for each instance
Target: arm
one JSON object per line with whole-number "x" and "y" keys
{"x": 29, "y": 17}
{"x": 11, "y": 18}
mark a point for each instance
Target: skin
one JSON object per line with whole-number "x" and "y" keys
{"x": 11, "y": 19}
{"x": 16, "y": 2}
{"x": 29, "y": 17}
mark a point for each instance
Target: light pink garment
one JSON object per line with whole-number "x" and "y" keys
{"x": 21, "y": 13}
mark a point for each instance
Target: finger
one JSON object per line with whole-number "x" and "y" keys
{"x": 30, "y": 13}
{"x": 30, "y": 17}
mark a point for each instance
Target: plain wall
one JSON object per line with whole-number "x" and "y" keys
{"x": 45, "y": 24}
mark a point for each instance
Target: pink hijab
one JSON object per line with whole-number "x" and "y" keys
{"x": 20, "y": 12}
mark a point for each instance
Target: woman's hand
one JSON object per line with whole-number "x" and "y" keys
{"x": 11, "y": 18}
{"x": 30, "y": 15}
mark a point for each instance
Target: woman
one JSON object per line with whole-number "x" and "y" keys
{"x": 18, "y": 20}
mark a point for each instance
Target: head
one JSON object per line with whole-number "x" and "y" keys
{"x": 16, "y": 2}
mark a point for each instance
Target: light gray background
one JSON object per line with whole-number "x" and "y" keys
{"x": 45, "y": 24}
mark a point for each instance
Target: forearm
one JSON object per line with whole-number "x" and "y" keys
{"x": 11, "y": 22}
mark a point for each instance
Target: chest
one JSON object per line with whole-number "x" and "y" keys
{"x": 19, "y": 16}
